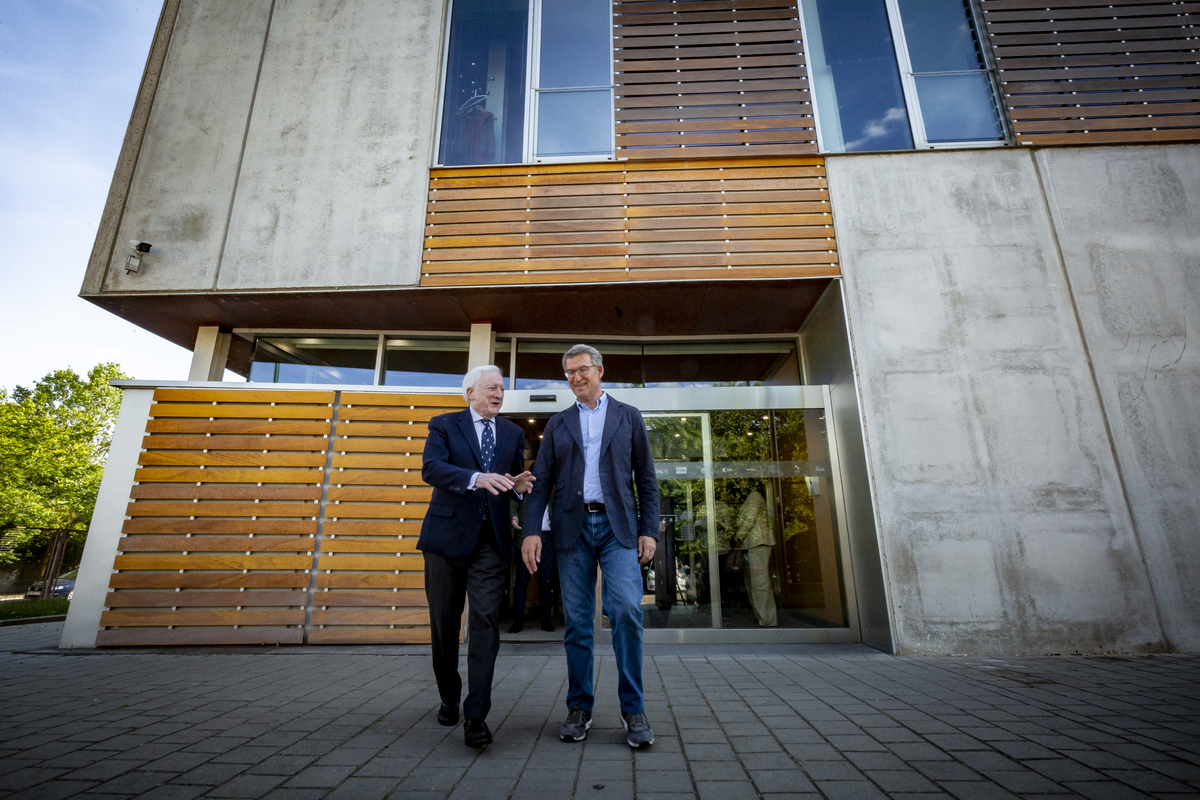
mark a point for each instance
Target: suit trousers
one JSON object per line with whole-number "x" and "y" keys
{"x": 479, "y": 577}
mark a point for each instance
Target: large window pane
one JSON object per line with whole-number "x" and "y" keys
{"x": 574, "y": 123}
{"x": 958, "y": 107}
{"x": 425, "y": 362}
{"x": 939, "y": 35}
{"x": 315, "y": 360}
{"x": 483, "y": 114}
{"x": 860, "y": 101}
{"x": 576, "y": 44}
{"x": 539, "y": 364}
{"x": 747, "y": 538}
{"x": 730, "y": 364}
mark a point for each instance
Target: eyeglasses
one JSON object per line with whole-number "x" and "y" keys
{"x": 582, "y": 372}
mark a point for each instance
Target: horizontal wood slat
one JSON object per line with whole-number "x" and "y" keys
{"x": 254, "y": 507}
{"x": 1090, "y": 72}
{"x": 678, "y": 220}
{"x": 720, "y": 61}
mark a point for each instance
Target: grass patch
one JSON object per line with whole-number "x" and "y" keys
{"x": 14, "y": 609}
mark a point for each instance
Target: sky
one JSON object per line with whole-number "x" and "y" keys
{"x": 69, "y": 72}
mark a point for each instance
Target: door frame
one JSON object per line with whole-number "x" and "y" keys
{"x": 726, "y": 398}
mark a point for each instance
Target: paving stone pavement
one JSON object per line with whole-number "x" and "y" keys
{"x": 839, "y": 722}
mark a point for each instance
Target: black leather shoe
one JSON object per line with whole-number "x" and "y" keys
{"x": 476, "y": 733}
{"x": 548, "y": 627}
{"x": 516, "y": 627}
{"x": 448, "y": 715}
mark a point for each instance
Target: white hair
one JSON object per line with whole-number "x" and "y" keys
{"x": 475, "y": 377}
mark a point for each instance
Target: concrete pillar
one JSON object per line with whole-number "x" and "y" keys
{"x": 209, "y": 354}
{"x": 482, "y": 345}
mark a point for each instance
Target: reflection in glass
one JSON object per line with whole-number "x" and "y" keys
{"x": 747, "y": 535}
{"x": 314, "y": 360}
{"x": 958, "y": 107}
{"x": 483, "y": 114}
{"x": 859, "y": 98}
{"x": 939, "y": 36}
{"x": 666, "y": 365}
{"x": 957, "y": 100}
{"x": 425, "y": 362}
{"x": 574, "y": 123}
{"x": 576, "y": 44}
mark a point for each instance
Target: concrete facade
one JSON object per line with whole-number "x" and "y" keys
{"x": 303, "y": 133}
{"x": 1004, "y": 520}
{"x": 1128, "y": 224}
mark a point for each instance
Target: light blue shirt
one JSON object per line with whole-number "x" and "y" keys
{"x": 591, "y": 423}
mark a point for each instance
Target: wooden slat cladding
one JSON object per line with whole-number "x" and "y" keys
{"x": 225, "y": 507}
{"x": 1082, "y": 72}
{"x": 702, "y": 78}
{"x": 632, "y": 221}
{"x": 370, "y": 577}
{"x": 244, "y": 528}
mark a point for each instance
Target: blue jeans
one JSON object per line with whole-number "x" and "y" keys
{"x": 622, "y": 602}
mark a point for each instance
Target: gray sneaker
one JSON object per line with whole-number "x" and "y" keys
{"x": 576, "y": 727}
{"x": 637, "y": 730}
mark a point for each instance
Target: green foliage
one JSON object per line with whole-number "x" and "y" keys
{"x": 54, "y": 439}
{"x": 20, "y": 609}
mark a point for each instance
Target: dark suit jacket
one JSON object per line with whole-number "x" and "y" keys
{"x": 624, "y": 460}
{"x": 452, "y": 524}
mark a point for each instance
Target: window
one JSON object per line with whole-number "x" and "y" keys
{"x": 360, "y": 360}
{"x": 507, "y": 103}
{"x": 665, "y": 364}
{"x": 898, "y": 74}
{"x": 948, "y": 73}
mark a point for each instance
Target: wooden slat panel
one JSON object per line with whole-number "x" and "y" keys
{"x": 205, "y": 599}
{"x": 215, "y": 562}
{"x": 146, "y": 617}
{"x": 381, "y": 544}
{"x": 1086, "y": 72}
{"x": 223, "y": 520}
{"x": 369, "y": 636}
{"x": 221, "y": 508}
{"x": 370, "y": 616}
{"x": 214, "y": 544}
{"x": 132, "y": 637}
{"x": 227, "y": 527}
{"x": 669, "y": 55}
{"x": 348, "y": 599}
{"x": 700, "y": 213}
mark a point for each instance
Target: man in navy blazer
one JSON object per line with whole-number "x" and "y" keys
{"x": 592, "y": 456}
{"x": 475, "y": 461}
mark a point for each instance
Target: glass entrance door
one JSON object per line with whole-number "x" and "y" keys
{"x": 747, "y": 536}
{"x": 749, "y": 546}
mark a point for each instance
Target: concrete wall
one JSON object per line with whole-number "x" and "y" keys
{"x": 288, "y": 146}
{"x": 1003, "y": 523}
{"x": 1128, "y": 223}
{"x": 827, "y": 360}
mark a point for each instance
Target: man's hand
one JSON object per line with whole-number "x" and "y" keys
{"x": 496, "y": 484}
{"x": 646, "y": 547}
{"x": 523, "y": 483}
{"x": 531, "y": 552}
{"x": 516, "y": 523}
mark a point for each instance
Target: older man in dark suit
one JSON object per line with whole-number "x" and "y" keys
{"x": 592, "y": 455}
{"x": 467, "y": 541}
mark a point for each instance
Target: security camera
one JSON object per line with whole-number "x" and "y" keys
{"x": 133, "y": 262}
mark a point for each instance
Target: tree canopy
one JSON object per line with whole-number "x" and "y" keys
{"x": 54, "y": 439}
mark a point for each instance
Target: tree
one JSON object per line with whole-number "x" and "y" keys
{"x": 54, "y": 440}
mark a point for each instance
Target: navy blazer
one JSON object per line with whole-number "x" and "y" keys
{"x": 625, "y": 461}
{"x": 455, "y": 516}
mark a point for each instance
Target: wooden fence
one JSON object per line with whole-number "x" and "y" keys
{"x": 274, "y": 516}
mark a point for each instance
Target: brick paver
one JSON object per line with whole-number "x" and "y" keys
{"x": 746, "y": 722}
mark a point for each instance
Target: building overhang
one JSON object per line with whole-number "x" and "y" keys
{"x": 693, "y": 308}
